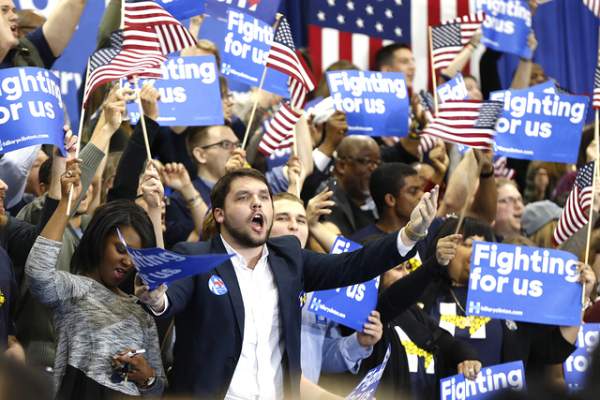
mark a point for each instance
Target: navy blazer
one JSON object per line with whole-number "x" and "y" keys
{"x": 210, "y": 326}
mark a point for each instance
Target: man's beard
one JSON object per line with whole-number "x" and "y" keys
{"x": 245, "y": 239}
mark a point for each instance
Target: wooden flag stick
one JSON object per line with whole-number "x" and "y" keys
{"x": 433, "y": 77}
{"x": 142, "y": 120}
{"x": 79, "y": 135}
{"x": 260, "y": 86}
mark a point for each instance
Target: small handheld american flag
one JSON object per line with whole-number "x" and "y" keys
{"x": 467, "y": 122}
{"x": 594, "y": 6}
{"x": 596, "y": 98}
{"x": 574, "y": 215}
{"x": 449, "y": 38}
{"x": 282, "y": 57}
{"x": 279, "y": 130}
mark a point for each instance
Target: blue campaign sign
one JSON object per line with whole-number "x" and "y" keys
{"x": 351, "y": 305}
{"x": 506, "y": 26}
{"x": 264, "y": 10}
{"x": 31, "y": 109}
{"x": 244, "y": 44}
{"x": 367, "y": 387}
{"x": 183, "y": 9}
{"x": 375, "y": 103}
{"x": 540, "y": 124}
{"x": 577, "y": 364}
{"x": 70, "y": 66}
{"x": 490, "y": 381}
{"x": 454, "y": 89}
{"x": 189, "y": 93}
{"x": 521, "y": 283}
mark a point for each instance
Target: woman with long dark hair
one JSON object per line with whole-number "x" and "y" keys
{"x": 107, "y": 343}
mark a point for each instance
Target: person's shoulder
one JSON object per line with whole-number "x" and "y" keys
{"x": 287, "y": 242}
{"x": 191, "y": 248}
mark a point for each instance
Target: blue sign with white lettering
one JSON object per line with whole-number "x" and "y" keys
{"x": 244, "y": 44}
{"x": 490, "y": 381}
{"x": 183, "y": 9}
{"x": 522, "y": 283}
{"x": 264, "y": 10}
{"x": 157, "y": 266}
{"x": 375, "y": 103}
{"x": 506, "y": 26}
{"x": 576, "y": 365}
{"x": 351, "y": 305}
{"x": 367, "y": 387}
{"x": 189, "y": 93}
{"x": 31, "y": 109}
{"x": 454, "y": 89}
{"x": 537, "y": 124}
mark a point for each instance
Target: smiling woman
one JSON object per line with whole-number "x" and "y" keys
{"x": 101, "y": 330}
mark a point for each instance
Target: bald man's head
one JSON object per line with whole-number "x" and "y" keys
{"x": 357, "y": 158}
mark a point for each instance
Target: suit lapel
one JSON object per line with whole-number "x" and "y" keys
{"x": 227, "y": 273}
{"x": 284, "y": 288}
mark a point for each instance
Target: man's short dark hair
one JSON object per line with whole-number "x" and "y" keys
{"x": 45, "y": 171}
{"x": 196, "y": 135}
{"x": 388, "y": 178}
{"x": 221, "y": 189}
{"x": 385, "y": 55}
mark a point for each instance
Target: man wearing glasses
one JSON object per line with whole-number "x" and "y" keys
{"x": 210, "y": 148}
{"x": 357, "y": 158}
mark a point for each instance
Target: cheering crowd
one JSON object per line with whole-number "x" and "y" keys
{"x": 76, "y": 322}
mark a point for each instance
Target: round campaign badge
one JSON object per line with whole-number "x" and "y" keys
{"x": 216, "y": 285}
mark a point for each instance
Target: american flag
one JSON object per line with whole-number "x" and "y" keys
{"x": 449, "y": 38}
{"x": 279, "y": 130}
{"x": 574, "y": 217}
{"x": 355, "y": 31}
{"x": 426, "y": 142}
{"x": 596, "y": 98}
{"x": 501, "y": 169}
{"x": 594, "y": 6}
{"x": 467, "y": 122}
{"x": 282, "y": 57}
{"x": 150, "y": 33}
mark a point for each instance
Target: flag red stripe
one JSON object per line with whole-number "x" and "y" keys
{"x": 345, "y": 46}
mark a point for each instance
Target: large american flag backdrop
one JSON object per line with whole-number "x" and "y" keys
{"x": 355, "y": 29}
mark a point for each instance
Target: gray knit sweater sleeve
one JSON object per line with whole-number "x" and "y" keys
{"x": 47, "y": 284}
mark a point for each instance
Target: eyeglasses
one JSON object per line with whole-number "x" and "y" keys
{"x": 224, "y": 144}
{"x": 364, "y": 161}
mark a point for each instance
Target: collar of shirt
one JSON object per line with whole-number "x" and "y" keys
{"x": 239, "y": 260}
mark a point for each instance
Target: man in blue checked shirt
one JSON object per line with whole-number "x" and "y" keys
{"x": 324, "y": 349}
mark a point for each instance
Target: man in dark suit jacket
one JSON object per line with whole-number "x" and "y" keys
{"x": 238, "y": 326}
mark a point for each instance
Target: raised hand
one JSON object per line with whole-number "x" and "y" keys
{"x": 114, "y": 106}
{"x": 237, "y": 160}
{"x": 175, "y": 176}
{"x": 319, "y": 205}
{"x": 71, "y": 178}
{"x": 149, "y": 96}
{"x": 446, "y": 248}
{"x": 469, "y": 368}
{"x": 422, "y": 215}
{"x": 152, "y": 188}
{"x": 155, "y": 299}
{"x": 372, "y": 330}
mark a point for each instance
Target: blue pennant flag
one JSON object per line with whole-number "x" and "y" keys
{"x": 506, "y": 26}
{"x": 351, "y": 305}
{"x": 244, "y": 43}
{"x": 157, "y": 266}
{"x": 31, "y": 109}
{"x": 578, "y": 363}
{"x": 183, "y": 9}
{"x": 489, "y": 382}
{"x": 375, "y": 103}
{"x": 367, "y": 387}
{"x": 540, "y": 123}
{"x": 189, "y": 93}
{"x": 524, "y": 283}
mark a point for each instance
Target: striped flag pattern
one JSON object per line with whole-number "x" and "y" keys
{"x": 594, "y": 6}
{"x": 282, "y": 57}
{"x": 150, "y": 33}
{"x": 596, "y": 97}
{"x": 426, "y": 142}
{"x": 279, "y": 130}
{"x": 449, "y": 38}
{"x": 574, "y": 215}
{"x": 467, "y": 122}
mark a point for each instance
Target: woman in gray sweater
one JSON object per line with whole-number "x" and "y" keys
{"x": 100, "y": 328}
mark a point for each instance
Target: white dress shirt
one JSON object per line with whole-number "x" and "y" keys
{"x": 258, "y": 374}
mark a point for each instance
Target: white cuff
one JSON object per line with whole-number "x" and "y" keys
{"x": 403, "y": 248}
{"x": 158, "y": 314}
